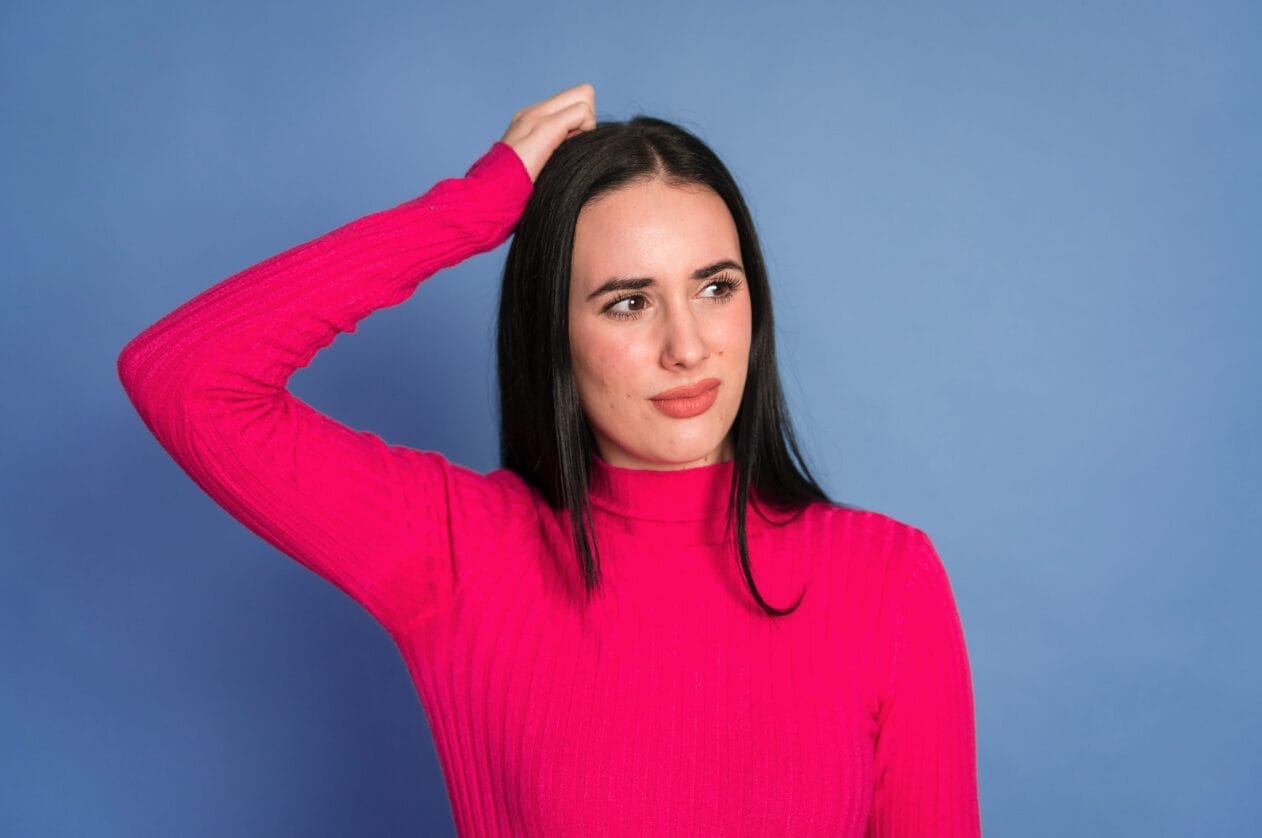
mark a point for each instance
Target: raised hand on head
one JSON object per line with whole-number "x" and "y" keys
{"x": 536, "y": 130}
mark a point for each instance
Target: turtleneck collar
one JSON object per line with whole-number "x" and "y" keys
{"x": 688, "y": 494}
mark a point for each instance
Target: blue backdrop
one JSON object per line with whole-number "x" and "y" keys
{"x": 1017, "y": 299}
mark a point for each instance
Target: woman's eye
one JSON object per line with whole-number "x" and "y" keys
{"x": 626, "y": 306}
{"x": 725, "y": 288}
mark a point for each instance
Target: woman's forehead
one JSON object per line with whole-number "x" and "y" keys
{"x": 652, "y": 226}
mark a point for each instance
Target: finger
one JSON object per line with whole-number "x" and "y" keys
{"x": 576, "y": 117}
{"x": 560, "y": 101}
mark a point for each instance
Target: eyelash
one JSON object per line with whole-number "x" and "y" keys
{"x": 729, "y": 284}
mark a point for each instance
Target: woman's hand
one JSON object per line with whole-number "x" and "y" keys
{"x": 536, "y": 130}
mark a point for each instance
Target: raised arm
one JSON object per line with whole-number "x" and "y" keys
{"x": 926, "y": 771}
{"x": 209, "y": 381}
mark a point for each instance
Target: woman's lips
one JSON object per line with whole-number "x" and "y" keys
{"x": 686, "y": 402}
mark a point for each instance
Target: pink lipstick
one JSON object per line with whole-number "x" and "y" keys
{"x": 686, "y": 402}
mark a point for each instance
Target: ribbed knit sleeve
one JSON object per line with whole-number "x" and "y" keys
{"x": 209, "y": 381}
{"x": 926, "y": 775}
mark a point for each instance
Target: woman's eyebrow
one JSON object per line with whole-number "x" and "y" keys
{"x": 627, "y": 283}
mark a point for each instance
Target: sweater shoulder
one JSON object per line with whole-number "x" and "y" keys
{"x": 849, "y": 538}
{"x": 852, "y": 523}
{"x": 493, "y": 500}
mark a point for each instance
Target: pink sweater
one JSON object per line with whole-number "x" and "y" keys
{"x": 669, "y": 705}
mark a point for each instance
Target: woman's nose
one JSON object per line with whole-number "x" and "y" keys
{"x": 684, "y": 344}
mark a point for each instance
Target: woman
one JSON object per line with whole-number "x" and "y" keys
{"x": 590, "y": 627}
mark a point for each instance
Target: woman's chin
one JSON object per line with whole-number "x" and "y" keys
{"x": 679, "y": 454}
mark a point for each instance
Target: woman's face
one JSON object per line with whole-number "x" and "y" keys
{"x": 659, "y": 301}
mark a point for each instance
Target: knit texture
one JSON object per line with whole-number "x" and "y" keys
{"x": 667, "y": 704}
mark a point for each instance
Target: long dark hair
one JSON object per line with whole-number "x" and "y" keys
{"x": 544, "y": 434}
